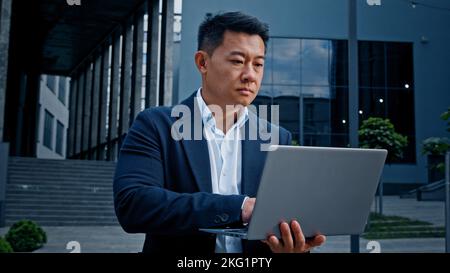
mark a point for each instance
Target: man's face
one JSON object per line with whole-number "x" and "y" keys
{"x": 233, "y": 74}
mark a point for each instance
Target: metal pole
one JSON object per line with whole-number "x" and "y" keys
{"x": 353, "y": 90}
{"x": 447, "y": 202}
{"x": 381, "y": 196}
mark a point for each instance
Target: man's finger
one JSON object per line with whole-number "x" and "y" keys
{"x": 300, "y": 241}
{"x": 317, "y": 241}
{"x": 274, "y": 243}
{"x": 286, "y": 235}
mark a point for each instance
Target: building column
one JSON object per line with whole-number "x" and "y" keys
{"x": 87, "y": 112}
{"x": 166, "y": 58}
{"x": 151, "y": 74}
{"x": 5, "y": 24}
{"x": 94, "y": 119}
{"x": 4, "y": 157}
{"x": 113, "y": 94}
{"x": 77, "y": 144}
{"x": 353, "y": 100}
{"x": 103, "y": 102}
{"x": 125, "y": 80}
{"x": 136, "y": 84}
{"x": 72, "y": 115}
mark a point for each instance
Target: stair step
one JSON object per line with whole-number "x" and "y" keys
{"x": 60, "y": 213}
{"x": 60, "y": 192}
{"x": 37, "y": 189}
{"x": 52, "y": 207}
{"x": 45, "y": 223}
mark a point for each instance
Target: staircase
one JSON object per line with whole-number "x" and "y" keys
{"x": 60, "y": 192}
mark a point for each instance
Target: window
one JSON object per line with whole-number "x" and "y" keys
{"x": 62, "y": 90}
{"x": 308, "y": 79}
{"x": 386, "y": 86}
{"x": 59, "y": 137}
{"x": 51, "y": 83}
{"x": 48, "y": 130}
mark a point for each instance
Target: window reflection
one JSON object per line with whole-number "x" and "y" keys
{"x": 306, "y": 72}
{"x": 387, "y": 87}
{"x": 286, "y": 61}
{"x": 315, "y": 62}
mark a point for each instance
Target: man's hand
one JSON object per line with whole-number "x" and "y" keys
{"x": 248, "y": 209}
{"x": 292, "y": 244}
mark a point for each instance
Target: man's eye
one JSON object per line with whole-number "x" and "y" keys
{"x": 237, "y": 61}
{"x": 259, "y": 65}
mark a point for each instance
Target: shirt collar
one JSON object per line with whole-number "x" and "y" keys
{"x": 207, "y": 115}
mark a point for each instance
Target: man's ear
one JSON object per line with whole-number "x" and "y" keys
{"x": 201, "y": 62}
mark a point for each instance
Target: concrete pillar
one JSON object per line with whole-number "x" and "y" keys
{"x": 5, "y": 23}
{"x": 79, "y": 118}
{"x": 4, "y": 156}
{"x": 136, "y": 85}
{"x": 113, "y": 95}
{"x": 87, "y": 112}
{"x": 73, "y": 98}
{"x": 125, "y": 80}
{"x": 166, "y": 59}
{"x": 151, "y": 79}
{"x": 94, "y": 119}
{"x": 103, "y": 102}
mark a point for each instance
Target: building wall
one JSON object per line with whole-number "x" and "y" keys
{"x": 49, "y": 101}
{"x": 394, "y": 21}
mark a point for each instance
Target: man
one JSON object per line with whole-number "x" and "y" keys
{"x": 168, "y": 187}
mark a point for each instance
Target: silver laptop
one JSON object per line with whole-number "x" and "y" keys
{"x": 328, "y": 190}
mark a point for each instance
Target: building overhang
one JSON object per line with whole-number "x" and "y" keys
{"x": 62, "y": 35}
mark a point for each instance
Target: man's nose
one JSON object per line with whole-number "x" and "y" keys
{"x": 248, "y": 74}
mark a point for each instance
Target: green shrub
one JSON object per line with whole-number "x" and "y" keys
{"x": 379, "y": 133}
{"x": 446, "y": 116}
{"x": 26, "y": 236}
{"x": 5, "y": 247}
{"x": 435, "y": 146}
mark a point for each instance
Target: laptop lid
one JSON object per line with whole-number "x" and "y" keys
{"x": 328, "y": 190}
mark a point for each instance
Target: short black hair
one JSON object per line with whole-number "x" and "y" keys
{"x": 212, "y": 29}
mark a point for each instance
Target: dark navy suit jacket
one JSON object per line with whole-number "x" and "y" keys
{"x": 162, "y": 186}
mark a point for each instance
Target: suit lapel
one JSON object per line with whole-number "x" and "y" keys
{"x": 197, "y": 150}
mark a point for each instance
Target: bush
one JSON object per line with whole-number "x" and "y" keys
{"x": 26, "y": 236}
{"x": 435, "y": 146}
{"x": 446, "y": 116}
{"x": 378, "y": 133}
{"x": 5, "y": 247}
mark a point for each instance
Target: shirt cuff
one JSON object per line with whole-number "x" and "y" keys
{"x": 243, "y": 202}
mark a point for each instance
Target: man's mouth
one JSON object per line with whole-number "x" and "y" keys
{"x": 245, "y": 91}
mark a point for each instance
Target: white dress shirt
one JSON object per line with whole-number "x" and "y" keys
{"x": 226, "y": 165}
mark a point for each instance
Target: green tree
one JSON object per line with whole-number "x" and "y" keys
{"x": 379, "y": 133}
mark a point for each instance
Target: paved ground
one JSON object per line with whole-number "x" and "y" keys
{"x": 114, "y": 239}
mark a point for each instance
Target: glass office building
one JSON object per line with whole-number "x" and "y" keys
{"x": 402, "y": 70}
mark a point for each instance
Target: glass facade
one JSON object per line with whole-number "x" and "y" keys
{"x": 48, "y": 129}
{"x": 59, "y": 137}
{"x": 308, "y": 79}
{"x": 386, "y": 90}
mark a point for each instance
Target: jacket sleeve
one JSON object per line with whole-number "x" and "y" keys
{"x": 143, "y": 205}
